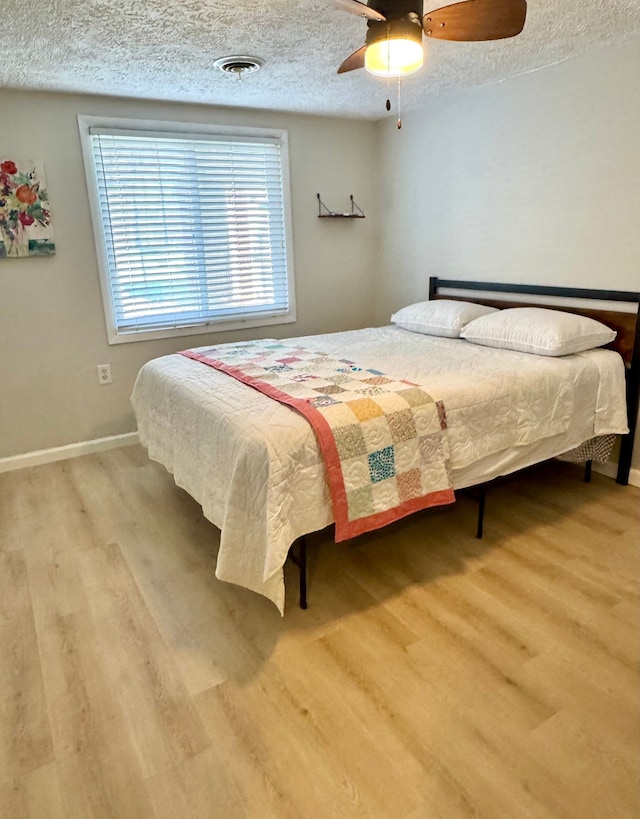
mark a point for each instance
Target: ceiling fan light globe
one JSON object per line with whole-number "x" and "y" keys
{"x": 393, "y": 57}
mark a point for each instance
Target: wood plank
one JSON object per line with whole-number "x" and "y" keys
{"x": 434, "y": 676}
{"x": 25, "y": 735}
{"x": 98, "y": 772}
{"x": 162, "y": 723}
{"x": 42, "y": 796}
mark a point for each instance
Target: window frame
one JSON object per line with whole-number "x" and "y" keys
{"x": 159, "y": 127}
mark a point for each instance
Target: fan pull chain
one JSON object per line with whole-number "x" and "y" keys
{"x": 388, "y": 102}
{"x": 399, "y": 122}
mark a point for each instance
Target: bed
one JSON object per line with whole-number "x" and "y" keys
{"x": 254, "y": 464}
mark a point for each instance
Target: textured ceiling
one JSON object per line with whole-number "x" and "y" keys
{"x": 165, "y": 50}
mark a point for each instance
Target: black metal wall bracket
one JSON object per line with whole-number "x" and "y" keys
{"x": 324, "y": 212}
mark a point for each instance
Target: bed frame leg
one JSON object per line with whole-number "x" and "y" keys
{"x": 587, "y": 471}
{"x": 481, "y": 499}
{"x": 633, "y": 397}
{"x": 300, "y": 561}
{"x": 478, "y": 493}
{"x": 302, "y": 565}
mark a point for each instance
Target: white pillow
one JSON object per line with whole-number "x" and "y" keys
{"x": 440, "y": 317}
{"x": 537, "y": 330}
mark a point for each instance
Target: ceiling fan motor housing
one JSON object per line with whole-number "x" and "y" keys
{"x": 406, "y": 28}
{"x": 397, "y": 9}
{"x": 404, "y": 23}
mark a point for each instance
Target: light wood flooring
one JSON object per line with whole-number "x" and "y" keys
{"x": 434, "y": 676}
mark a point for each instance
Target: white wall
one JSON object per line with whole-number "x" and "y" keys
{"x": 52, "y": 332}
{"x": 536, "y": 179}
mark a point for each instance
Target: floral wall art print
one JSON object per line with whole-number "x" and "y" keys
{"x": 25, "y": 216}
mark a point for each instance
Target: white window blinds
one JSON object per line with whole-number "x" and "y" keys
{"x": 194, "y": 227}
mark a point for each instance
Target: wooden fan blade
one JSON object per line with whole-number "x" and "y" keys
{"x": 353, "y": 61}
{"x": 361, "y": 9}
{"x": 475, "y": 20}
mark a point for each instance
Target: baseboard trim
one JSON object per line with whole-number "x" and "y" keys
{"x": 61, "y": 453}
{"x": 610, "y": 469}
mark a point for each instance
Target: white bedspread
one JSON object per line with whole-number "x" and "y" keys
{"x": 255, "y": 468}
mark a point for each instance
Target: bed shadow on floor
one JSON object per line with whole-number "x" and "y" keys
{"x": 537, "y": 506}
{"x": 219, "y": 626}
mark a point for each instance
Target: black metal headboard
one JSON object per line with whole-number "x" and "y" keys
{"x": 626, "y": 324}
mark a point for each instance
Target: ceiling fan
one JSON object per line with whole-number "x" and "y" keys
{"x": 393, "y": 46}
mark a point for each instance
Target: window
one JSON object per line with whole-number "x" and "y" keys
{"x": 192, "y": 228}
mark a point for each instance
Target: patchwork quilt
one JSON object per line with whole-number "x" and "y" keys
{"x": 383, "y": 440}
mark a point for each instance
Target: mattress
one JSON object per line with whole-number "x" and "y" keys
{"x": 254, "y": 464}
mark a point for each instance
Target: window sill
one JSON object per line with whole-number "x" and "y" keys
{"x": 200, "y": 329}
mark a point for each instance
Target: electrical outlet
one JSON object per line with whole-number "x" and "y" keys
{"x": 104, "y": 373}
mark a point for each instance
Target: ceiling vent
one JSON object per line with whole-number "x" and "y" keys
{"x": 239, "y": 65}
